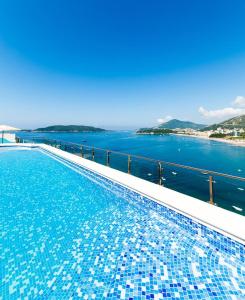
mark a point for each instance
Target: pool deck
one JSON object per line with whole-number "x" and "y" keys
{"x": 219, "y": 219}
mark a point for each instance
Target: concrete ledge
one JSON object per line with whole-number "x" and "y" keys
{"x": 219, "y": 219}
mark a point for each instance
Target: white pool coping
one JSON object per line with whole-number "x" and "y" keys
{"x": 219, "y": 219}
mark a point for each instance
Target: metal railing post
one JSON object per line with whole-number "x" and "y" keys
{"x": 129, "y": 164}
{"x": 108, "y": 158}
{"x": 160, "y": 173}
{"x": 211, "y": 191}
{"x": 69, "y": 146}
{"x": 93, "y": 154}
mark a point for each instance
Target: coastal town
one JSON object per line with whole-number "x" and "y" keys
{"x": 230, "y": 131}
{"x": 215, "y": 133}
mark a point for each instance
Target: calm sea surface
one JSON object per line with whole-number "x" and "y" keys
{"x": 189, "y": 151}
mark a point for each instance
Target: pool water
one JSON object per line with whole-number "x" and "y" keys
{"x": 67, "y": 233}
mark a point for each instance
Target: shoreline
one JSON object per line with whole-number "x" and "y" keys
{"x": 238, "y": 143}
{"x": 221, "y": 140}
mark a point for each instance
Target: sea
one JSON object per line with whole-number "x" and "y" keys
{"x": 190, "y": 151}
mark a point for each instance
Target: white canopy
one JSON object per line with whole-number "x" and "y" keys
{"x": 8, "y": 128}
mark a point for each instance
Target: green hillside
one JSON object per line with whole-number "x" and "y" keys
{"x": 236, "y": 122}
{"x": 69, "y": 128}
{"x": 174, "y": 123}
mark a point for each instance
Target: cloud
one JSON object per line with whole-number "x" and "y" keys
{"x": 165, "y": 119}
{"x": 237, "y": 108}
{"x": 221, "y": 113}
{"x": 239, "y": 101}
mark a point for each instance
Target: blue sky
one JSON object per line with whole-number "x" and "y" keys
{"x": 121, "y": 64}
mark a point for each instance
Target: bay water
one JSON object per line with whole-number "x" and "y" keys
{"x": 190, "y": 151}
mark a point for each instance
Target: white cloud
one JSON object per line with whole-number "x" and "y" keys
{"x": 237, "y": 108}
{"x": 221, "y": 113}
{"x": 239, "y": 101}
{"x": 165, "y": 119}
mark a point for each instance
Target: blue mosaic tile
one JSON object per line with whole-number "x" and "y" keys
{"x": 68, "y": 233}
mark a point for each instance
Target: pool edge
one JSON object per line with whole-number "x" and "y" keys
{"x": 216, "y": 218}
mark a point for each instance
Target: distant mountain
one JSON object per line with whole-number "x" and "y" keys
{"x": 174, "y": 123}
{"x": 236, "y": 122}
{"x": 69, "y": 128}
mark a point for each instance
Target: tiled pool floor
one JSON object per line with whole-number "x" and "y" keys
{"x": 69, "y": 234}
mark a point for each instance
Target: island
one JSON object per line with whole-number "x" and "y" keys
{"x": 69, "y": 128}
{"x": 156, "y": 131}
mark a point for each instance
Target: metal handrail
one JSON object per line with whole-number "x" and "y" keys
{"x": 203, "y": 171}
{"x": 130, "y": 157}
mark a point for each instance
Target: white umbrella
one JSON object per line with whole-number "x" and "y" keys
{"x": 8, "y": 128}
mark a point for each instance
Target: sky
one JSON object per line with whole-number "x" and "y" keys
{"x": 121, "y": 64}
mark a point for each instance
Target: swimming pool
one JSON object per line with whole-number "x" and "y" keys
{"x": 68, "y": 233}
